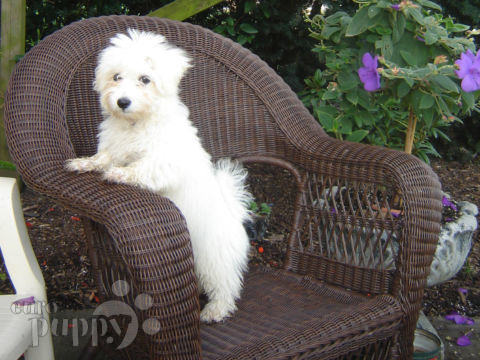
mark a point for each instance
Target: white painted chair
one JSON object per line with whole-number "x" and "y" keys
{"x": 23, "y": 329}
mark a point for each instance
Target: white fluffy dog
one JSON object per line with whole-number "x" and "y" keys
{"x": 146, "y": 139}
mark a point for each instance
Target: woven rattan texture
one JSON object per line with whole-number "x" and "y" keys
{"x": 362, "y": 228}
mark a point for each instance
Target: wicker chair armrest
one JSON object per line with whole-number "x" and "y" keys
{"x": 418, "y": 187}
{"x": 151, "y": 235}
{"x": 420, "y": 193}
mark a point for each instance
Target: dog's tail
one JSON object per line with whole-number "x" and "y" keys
{"x": 231, "y": 177}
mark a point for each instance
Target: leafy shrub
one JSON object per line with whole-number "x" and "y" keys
{"x": 44, "y": 17}
{"x": 465, "y": 11}
{"x": 419, "y": 94}
{"x": 276, "y": 33}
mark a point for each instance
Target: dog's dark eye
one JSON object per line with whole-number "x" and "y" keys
{"x": 117, "y": 77}
{"x": 144, "y": 79}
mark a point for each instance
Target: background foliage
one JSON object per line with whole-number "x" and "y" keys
{"x": 417, "y": 46}
{"x": 278, "y": 34}
{"x": 46, "y": 16}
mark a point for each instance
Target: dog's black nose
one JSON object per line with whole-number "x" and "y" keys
{"x": 123, "y": 103}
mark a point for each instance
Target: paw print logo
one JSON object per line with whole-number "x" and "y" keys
{"x": 113, "y": 308}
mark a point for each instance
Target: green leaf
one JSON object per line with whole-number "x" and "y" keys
{"x": 347, "y": 80}
{"x": 383, "y": 4}
{"x": 364, "y": 118}
{"x": 427, "y": 116}
{"x": 220, "y": 29}
{"x": 408, "y": 57}
{"x": 265, "y": 209}
{"x": 336, "y": 17}
{"x": 468, "y": 100}
{"x": 443, "y": 106}
{"x": 398, "y": 27}
{"x": 410, "y": 51}
{"x": 364, "y": 100}
{"x": 325, "y": 115}
{"x": 446, "y": 83}
{"x": 5, "y": 165}
{"x": 357, "y": 135}
{"x": 360, "y": 22}
{"x": 346, "y": 125}
{"x": 253, "y": 207}
{"x": 327, "y": 31}
{"x": 409, "y": 81}
{"x": 426, "y": 101}
{"x": 385, "y": 45}
{"x": 242, "y": 39}
{"x": 430, "y": 37}
{"x": 416, "y": 14}
{"x": 439, "y": 133}
{"x": 249, "y": 6}
{"x": 403, "y": 89}
{"x": 373, "y": 11}
{"x": 247, "y": 28}
{"x": 458, "y": 28}
{"x": 430, "y": 4}
{"x": 352, "y": 96}
{"x": 330, "y": 95}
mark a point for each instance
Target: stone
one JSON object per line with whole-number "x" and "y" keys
{"x": 454, "y": 244}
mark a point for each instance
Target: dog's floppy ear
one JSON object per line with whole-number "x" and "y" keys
{"x": 169, "y": 65}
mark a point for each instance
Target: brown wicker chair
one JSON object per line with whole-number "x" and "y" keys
{"x": 362, "y": 226}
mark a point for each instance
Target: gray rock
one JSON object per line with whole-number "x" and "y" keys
{"x": 454, "y": 244}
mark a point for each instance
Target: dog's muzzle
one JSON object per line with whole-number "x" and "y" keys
{"x": 123, "y": 103}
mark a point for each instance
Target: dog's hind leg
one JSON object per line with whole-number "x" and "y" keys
{"x": 220, "y": 265}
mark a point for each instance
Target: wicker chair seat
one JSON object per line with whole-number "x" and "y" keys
{"x": 282, "y": 314}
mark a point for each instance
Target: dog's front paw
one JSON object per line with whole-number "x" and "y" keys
{"x": 119, "y": 175}
{"x": 216, "y": 311}
{"x": 80, "y": 165}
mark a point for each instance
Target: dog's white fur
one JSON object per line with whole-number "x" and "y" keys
{"x": 151, "y": 143}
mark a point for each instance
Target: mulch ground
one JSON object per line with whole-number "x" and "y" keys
{"x": 462, "y": 182}
{"x": 58, "y": 240}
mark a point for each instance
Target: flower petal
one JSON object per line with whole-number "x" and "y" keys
{"x": 470, "y": 55}
{"x": 469, "y": 84}
{"x": 369, "y": 78}
{"x": 25, "y": 301}
{"x": 464, "y": 64}
{"x": 459, "y": 319}
{"x": 463, "y": 341}
{"x": 369, "y": 61}
{"x": 446, "y": 201}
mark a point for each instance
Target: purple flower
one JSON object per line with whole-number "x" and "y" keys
{"x": 25, "y": 301}
{"x": 368, "y": 74}
{"x": 463, "y": 341}
{"x": 447, "y": 203}
{"x": 419, "y": 38}
{"x": 459, "y": 319}
{"x": 469, "y": 71}
{"x": 395, "y": 7}
{"x": 462, "y": 290}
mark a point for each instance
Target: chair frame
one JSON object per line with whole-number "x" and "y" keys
{"x": 339, "y": 230}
